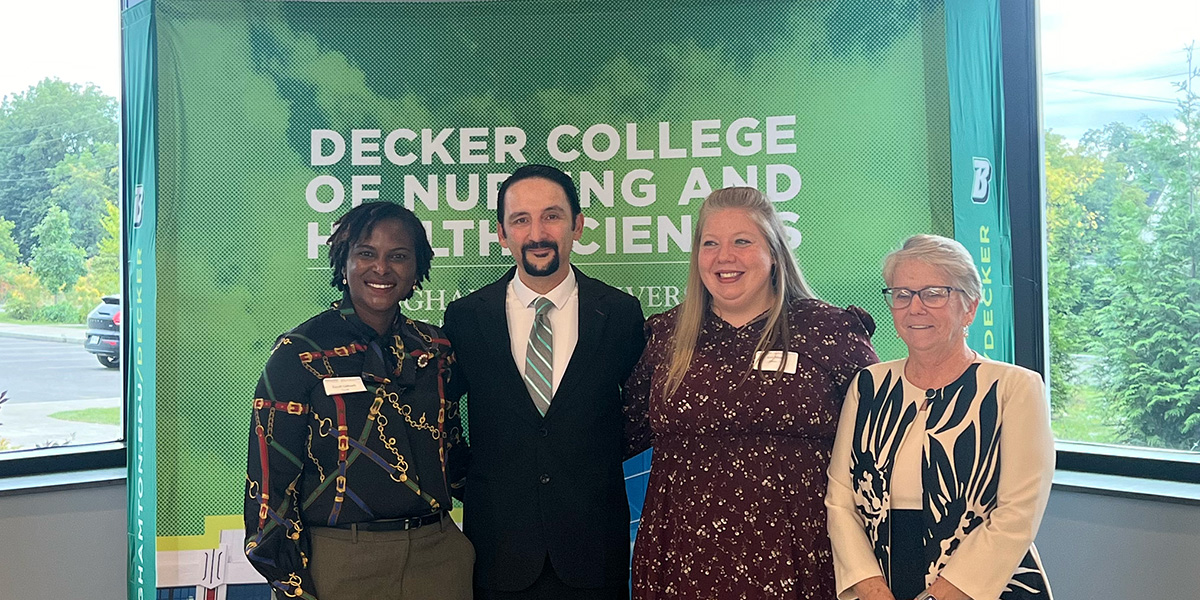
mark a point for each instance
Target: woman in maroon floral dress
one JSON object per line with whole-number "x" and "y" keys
{"x": 734, "y": 507}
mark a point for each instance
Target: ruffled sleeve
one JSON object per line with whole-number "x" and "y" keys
{"x": 638, "y": 434}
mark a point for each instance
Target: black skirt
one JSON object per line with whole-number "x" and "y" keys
{"x": 908, "y": 554}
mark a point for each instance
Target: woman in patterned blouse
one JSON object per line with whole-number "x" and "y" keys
{"x": 943, "y": 459}
{"x": 355, "y": 436}
{"x": 738, "y": 390}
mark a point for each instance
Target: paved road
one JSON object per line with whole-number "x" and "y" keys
{"x": 35, "y": 371}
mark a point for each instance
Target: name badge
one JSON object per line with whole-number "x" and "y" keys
{"x": 770, "y": 361}
{"x": 343, "y": 385}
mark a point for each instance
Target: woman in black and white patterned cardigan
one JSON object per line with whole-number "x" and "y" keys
{"x": 943, "y": 460}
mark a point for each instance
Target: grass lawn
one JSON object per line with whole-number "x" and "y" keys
{"x": 100, "y": 416}
{"x": 1085, "y": 418}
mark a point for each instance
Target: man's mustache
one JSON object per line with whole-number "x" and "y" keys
{"x": 547, "y": 244}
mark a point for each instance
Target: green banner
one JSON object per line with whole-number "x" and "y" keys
{"x": 977, "y": 146}
{"x": 140, "y": 294}
{"x": 268, "y": 120}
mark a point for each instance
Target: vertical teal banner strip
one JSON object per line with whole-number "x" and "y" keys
{"x": 139, "y": 206}
{"x": 973, "y": 65}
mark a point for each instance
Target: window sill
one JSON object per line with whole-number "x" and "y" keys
{"x": 1135, "y": 488}
{"x": 46, "y": 469}
{"x": 55, "y": 482}
{"x": 1141, "y": 464}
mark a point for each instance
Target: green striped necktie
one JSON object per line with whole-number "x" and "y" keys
{"x": 539, "y": 356}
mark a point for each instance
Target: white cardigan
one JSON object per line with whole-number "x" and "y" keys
{"x": 987, "y": 465}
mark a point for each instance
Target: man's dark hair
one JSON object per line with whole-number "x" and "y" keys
{"x": 544, "y": 172}
{"x": 360, "y": 222}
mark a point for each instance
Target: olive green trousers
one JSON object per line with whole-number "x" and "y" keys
{"x": 433, "y": 562}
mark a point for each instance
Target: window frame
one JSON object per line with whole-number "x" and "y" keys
{"x": 36, "y": 462}
{"x": 1025, "y": 160}
{"x": 63, "y": 459}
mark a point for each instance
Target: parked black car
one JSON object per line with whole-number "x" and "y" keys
{"x": 104, "y": 332}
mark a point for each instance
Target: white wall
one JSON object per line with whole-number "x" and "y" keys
{"x": 63, "y": 544}
{"x": 1095, "y": 546}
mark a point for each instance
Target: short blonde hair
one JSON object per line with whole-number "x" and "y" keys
{"x": 942, "y": 253}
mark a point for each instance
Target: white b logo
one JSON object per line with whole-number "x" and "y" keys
{"x": 982, "y": 186}
{"x": 138, "y": 204}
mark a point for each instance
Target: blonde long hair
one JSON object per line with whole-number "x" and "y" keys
{"x": 787, "y": 282}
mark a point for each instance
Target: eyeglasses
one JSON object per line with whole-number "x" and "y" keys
{"x": 934, "y": 296}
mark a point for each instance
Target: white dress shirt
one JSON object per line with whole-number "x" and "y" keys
{"x": 564, "y": 321}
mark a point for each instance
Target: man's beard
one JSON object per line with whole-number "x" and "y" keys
{"x": 550, "y": 268}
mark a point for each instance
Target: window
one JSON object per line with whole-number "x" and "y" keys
{"x": 60, "y": 237}
{"x": 177, "y": 593}
{"x": 1121, "y": 138}
{"x": 248, "y": 592}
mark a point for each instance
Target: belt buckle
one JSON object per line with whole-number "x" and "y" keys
{"x": 429, "y": 519}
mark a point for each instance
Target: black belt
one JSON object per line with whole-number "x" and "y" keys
{"x": 395, "y": 524}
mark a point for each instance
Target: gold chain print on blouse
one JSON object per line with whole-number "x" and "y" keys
{"x": 321, "y": 456}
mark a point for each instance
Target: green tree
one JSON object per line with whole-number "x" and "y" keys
{"x": 86, "y": 183}
{"x": 8, "y": 247}
{"x": 9, "y": 255}
{"x": 41, "y": 127}
{"x": 104, "y": 269}
{"x": 1069, "y": 227}
{"x": 1150, "y": 330}
{"x": 56, "y": 261}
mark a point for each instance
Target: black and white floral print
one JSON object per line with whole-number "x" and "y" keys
{"x": 961, "y": 476}
{"x": 879, "y": 426}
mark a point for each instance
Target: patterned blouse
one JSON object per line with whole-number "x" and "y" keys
{"x": 986, "y": 467}
{"x": 734, "y": 505}
{"x": 348, "y": 426}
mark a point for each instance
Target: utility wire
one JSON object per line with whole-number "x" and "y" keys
{"x": 1116, "y": 95}
{"x": 57, "y": 123}
{"x": 45, "y": 176}
{"x": 52, "y": 140}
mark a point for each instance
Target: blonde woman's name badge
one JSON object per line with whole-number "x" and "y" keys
{"x": 343, "y": 385}
{"x": 769, "y": 361}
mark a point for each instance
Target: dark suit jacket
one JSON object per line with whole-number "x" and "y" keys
{"x": 547, "y": 485}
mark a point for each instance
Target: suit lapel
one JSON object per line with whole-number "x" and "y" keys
{"x": 493, "y": 325}
{"x": 593, "y": 311}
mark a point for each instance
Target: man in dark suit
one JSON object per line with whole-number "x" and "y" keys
{"x": 543, "y": 353}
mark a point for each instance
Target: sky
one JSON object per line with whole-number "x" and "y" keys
{"x": 1102, "y": 60}
{"x": 75, "y": 40}
{"x": 1108, "y": 60}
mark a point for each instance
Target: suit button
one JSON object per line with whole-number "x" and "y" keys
{"x": 545, "y": 478}
{"x": 544, "y": 432}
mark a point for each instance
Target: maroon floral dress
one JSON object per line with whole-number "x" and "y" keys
{"x": 735, "y": 503}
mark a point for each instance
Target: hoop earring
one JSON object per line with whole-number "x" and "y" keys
{"x": 343, "y": 281}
